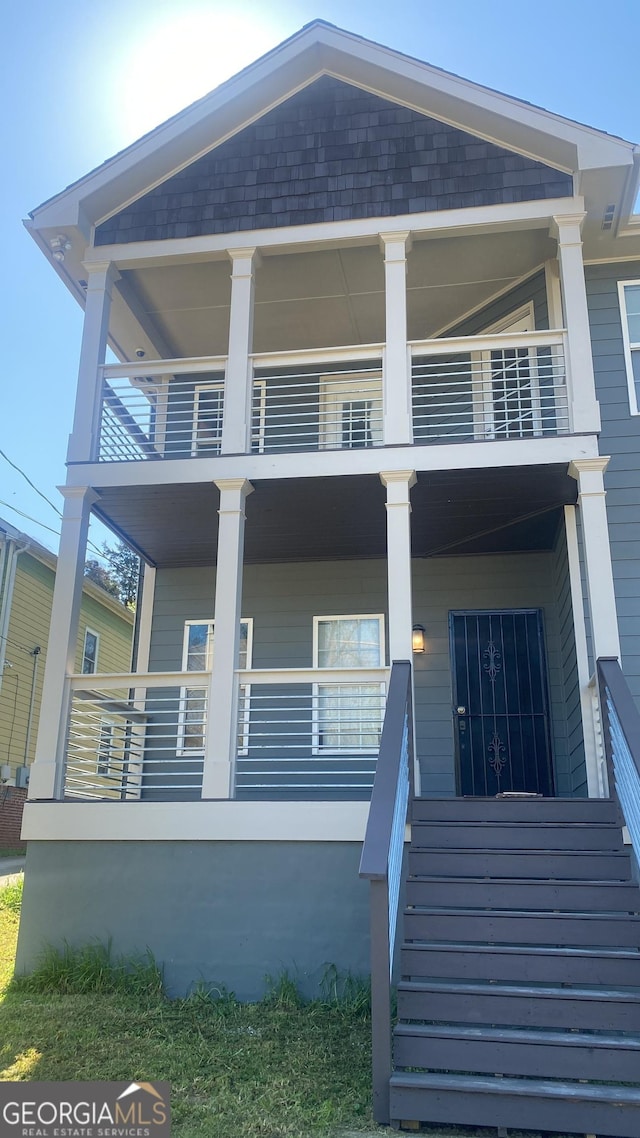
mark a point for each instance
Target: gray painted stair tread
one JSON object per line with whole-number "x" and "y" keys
{"x": 523, "y": 950}
{"x": 547, "y": 1087}
{"x": 516, "y": 1035}
{"x": 526, "y": 914}
{"x": 612, "y": 995}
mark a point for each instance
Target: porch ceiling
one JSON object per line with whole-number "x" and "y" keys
{"x": 453, "y": 512}
{"x": 324, "y": 298}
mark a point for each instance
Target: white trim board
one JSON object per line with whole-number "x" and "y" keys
{"x": 334, "y": 463}
{"x": 221, "y": 821}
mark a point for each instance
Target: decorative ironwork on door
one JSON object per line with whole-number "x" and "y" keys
{"x": 501, "y": 718}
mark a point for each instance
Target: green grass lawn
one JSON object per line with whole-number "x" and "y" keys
{"x": 278, "y": 1069}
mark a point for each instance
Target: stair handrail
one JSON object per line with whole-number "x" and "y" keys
{"x": 621, "y": 723}
{"x": 381, "y": 865}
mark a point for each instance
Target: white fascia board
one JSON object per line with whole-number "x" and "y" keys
{"x": 218, "y": 821}
{"x": 327, "y": 464}
{"x": 446, "y": 223}
{"x": 324, "y": 50}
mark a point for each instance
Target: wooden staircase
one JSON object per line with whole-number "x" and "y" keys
{"x": 519, "y": 997}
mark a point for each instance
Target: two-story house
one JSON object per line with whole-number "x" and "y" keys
{"x": 378, "y": 333}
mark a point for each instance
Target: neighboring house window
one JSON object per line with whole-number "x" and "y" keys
{"x": 629, "y": 292}
{"x": 90, "y": 652}
{"x": 348, "y": 717}
{"x": 198, "y": 657}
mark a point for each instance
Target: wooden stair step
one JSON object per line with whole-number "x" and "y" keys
{"x": 523, "y": 893}
{"x": 617, "y": 930}
{"x": 474, "y": 1100}
{"x": 547, "y": 836}
{"x": 540, "y": 1054}
{"x": 615, "y": 968}
{"x": 567, "y": 810}
{"x": 560, "y": 866}
{"x": 520, "y": 1005}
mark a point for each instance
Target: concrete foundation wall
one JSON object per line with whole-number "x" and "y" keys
{"x": 226, "y": 913}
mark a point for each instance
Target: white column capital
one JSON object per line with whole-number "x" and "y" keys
{"x": 567, "y": 228}
{"x": 244, "y": 262}
{"x": 398, "y": 484}
{"x": 233, "y": 493}
{"x": 84, "y": 495}
{"x": 396, "y": 246}
{"x": 101, "y": 275}
{"x": 588, "y": 473}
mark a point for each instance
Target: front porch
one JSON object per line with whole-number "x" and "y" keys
{"x": 313, "y": 641}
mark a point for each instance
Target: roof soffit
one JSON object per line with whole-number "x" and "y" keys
{"x": 315, "y": 51}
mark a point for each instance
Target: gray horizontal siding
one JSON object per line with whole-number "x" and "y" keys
{"x": 534, "y": 289}
{"x": 620, "y": 438}
{"x": 282, "y": 599}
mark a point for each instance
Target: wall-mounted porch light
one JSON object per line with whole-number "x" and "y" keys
{"x": 418, "y": 643}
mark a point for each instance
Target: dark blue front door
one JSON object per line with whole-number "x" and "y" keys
{"x": 501, "y": 704}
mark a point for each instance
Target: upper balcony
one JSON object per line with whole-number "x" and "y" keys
{"x": 463, "y": 389}
{"x": 405, "y": 343}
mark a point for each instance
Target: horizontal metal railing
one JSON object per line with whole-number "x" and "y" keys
{"x": 133, "y": 736}
{"x": 309, "y": 730}
{"x": 489, "y": 387}
{"x": 163, "y": 409}
{"x": 508, "y": 385}
{"x": 621, "y": 721}
{"x": 323, "y": 400}
{"x": 303, "y": 730}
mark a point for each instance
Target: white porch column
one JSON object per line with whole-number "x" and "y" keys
{"x": 83, "y": 439}
{"x": 597, "y": 555}
{"x": 145, "y": 618}
{"x": 591, "y": 750}
{"x": 222, "y": 716}
{"x": 584, "y": 411}
{"x": 236, "y": 428}
{"x": 398, "y": 484}
{"x": 47, "y": 770}
{"x": 396, "y": 370}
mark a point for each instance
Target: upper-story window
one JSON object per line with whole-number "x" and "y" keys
{"x": 90, "y": 653}
{"x": 630, "y": 310}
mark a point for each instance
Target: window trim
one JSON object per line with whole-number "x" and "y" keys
{"x": 629, "y": 345}
{"x": 205, "y": 450}
{"x": 379, "y": 616}
{"x": 246, "y": 688}
{"x": 90, "y": 632}
{"x": 317, "y": 748}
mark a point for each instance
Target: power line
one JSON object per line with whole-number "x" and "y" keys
{"x": 31, "y": 484}
{"x": 90, "y": 544}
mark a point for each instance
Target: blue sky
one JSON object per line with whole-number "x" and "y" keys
{"x": 80, "y": 81}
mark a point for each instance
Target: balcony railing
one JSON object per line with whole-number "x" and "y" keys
{"x": 463, "y": 389}
{"x": 489, "y": 387}
{"x": 301, "y": 732}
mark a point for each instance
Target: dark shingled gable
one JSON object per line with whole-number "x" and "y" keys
{"x": 331, "y": 153}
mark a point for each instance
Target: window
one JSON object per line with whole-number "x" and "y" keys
{"x": 629, "y": 292}
{"x": 198, "y": 657}
{"x": 90, "y": 653}
{"x": 208, "y": 418}
{"x": 348, "y": 716}
{"x": 351, "y": 410}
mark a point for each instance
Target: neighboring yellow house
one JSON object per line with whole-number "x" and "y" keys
{"x": 105, "y": 637}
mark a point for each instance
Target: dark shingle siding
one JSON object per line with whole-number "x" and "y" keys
{"x": 332, "y": 152}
